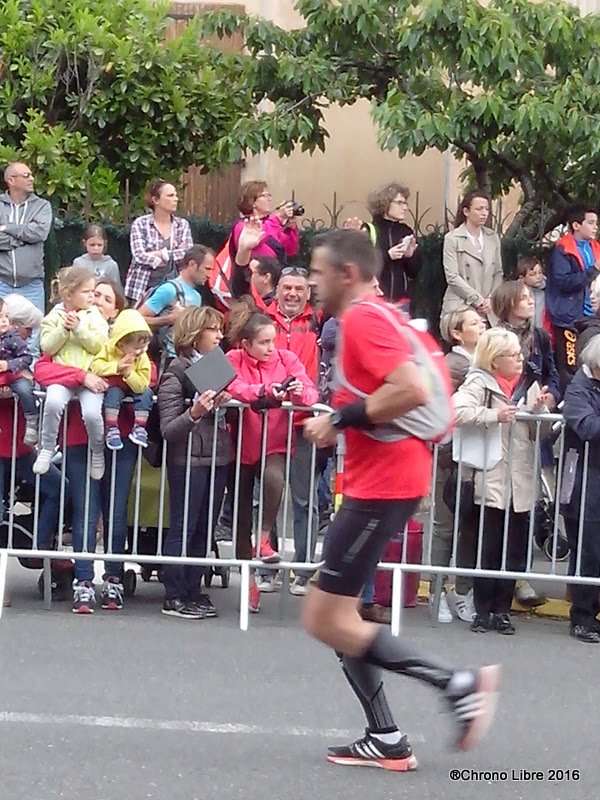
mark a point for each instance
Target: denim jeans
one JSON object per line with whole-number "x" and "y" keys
{"x": 125, "y": 461}
{"x": 368, "y": 593}
{"x": 49, "y": 492}
{"x": 83, "y": 529}
{"x": 23, "y": 389}
{"x": 303, "y": 504}
{"x": 181, "y": 582}
{"x": 115, "y": 395}
{"x": 34, "y": 292}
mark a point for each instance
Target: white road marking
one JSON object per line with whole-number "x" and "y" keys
{"x": 188, "y": 726}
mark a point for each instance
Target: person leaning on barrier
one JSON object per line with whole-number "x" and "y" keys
{"x": 582, "y": 433}
{"x": 485, "y": 400}
{"x": 261, "y": 370}
{"x": 187, "y": 423}
{"x": 464, "y": 329}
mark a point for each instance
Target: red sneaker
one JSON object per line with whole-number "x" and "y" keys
{"x": 267, "y": 553}
{"x": 254, "y": 598}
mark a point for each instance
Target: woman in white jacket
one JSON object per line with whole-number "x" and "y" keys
{"x": 485, "y": 400}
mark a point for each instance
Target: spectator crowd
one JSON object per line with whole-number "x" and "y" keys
{"x": 102, "y": 351}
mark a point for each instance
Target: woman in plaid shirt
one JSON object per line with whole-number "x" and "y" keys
{"x": 156, "y": 240}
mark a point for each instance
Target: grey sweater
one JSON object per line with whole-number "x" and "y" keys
{"x": 23, "y": 230}
{"x": 104, "y": 267}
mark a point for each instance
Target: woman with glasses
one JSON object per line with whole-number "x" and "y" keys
{"x": 262, "y": 231}
{"x": 507, "y": 484}
{"x": 187, "y": 424}
{"x": 395, "y": 239}
{"x": 472, "y": 261}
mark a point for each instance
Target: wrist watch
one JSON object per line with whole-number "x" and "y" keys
{"x": 336, "y": 421}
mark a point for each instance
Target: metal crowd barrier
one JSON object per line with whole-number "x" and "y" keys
{"x": 539, "y": 422}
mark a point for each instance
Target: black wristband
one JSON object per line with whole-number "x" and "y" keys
{"x": 354, "y": 415}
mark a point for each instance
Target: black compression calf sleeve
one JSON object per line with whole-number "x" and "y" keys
{"x": 366, "y": 683}
{"x": 395, "y": 655}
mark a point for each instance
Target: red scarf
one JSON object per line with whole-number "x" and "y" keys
{"x": 508, "y": 385}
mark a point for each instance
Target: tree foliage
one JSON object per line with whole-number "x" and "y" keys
{"x": 92, "y": 94}
{"x": 512, "y": 85}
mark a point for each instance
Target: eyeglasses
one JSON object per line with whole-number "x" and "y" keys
{"x": 399, "y": 202}
{"x": 265, "y": 194}
{"x": 516, "y": 356}
{"x": 22, "y": 175}
{"x": 300, "y": 271}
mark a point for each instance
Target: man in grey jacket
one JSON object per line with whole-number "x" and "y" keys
{"x": 25, "y": 221}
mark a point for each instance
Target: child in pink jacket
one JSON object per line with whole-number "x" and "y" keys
{"x": 261, "y": 371}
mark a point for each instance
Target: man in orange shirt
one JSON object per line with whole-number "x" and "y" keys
{"x": 383, "y": 483}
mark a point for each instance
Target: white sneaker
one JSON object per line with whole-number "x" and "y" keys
{"x": 527, "y": 595}
{"x": 97, "y": 466}
{"x": 266, "y": 583}
{"x": 444, "y": 613}
{"x": 462, "y": 605}
{"x": 42, "y": 462}
{"x": 300, "y": 586}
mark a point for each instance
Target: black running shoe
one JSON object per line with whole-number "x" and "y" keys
{"x": 473, "y": 704}
{"x": 177, "y": 608}
{"x": 503, "y": 624}
{"x": 207, "y": 605}
{"x": 585, "y": 634}
{"x": 371, "y": 752}
{"x": 481, "y": 623}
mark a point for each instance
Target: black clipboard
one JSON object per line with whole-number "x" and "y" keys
{"x": 212, "y": 372}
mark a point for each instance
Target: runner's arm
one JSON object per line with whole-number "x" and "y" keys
{"x": 403, "y": 390}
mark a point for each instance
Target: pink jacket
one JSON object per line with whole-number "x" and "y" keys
{"x": 252, "y": 376}
{"x": 287, "y": 237}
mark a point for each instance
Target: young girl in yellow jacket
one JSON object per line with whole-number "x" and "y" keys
{"x": 72, "y": 333}
{"x": 124, "y": 362}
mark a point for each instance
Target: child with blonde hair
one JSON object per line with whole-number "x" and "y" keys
{"x": 71, "y": 334}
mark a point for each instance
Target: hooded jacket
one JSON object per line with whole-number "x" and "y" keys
{"x": 567, "y": 281}
{"x": 106, "y": 362}
{"x": 25, "y": 228}
{"x": 255, "y": 378}
{"x": 75, "y": 348}
{"x": 473, "y": 408}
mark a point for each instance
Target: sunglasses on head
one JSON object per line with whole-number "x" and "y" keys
{"x": 301, "y": 271}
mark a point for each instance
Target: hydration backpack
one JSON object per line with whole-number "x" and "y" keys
{"x": 431, "y": 422}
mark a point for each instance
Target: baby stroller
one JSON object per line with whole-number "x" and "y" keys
{"x": 22, "y": 539}
{"x": 543, "y": 530}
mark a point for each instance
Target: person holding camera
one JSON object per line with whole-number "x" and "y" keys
{"x": 261, "y": 231}
{"x": 265, "y": 377}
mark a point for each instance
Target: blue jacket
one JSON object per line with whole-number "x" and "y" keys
{"x": 14, "y": 351}
{"x": 582, "y": 415}
{"x": 566, "y": 281}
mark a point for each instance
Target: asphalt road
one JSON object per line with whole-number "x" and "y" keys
{"x": 137, "y": 705}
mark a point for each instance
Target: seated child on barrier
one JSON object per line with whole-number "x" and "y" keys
{"x": 124, "y": 362}
{"x": 18, "y": 317}
{"x": 265, "y": 377}
{"x": 72, "y": 333}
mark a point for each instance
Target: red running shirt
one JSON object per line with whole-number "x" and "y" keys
{"x": 372, "y": 350}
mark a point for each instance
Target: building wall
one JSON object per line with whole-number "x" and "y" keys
{"x": 334, "y": 184}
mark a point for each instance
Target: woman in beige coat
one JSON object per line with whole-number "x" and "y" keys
{"x": 484, "y": 400}
{"x": 472, "y": 261}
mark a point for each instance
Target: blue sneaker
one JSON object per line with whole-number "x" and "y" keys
{"x": 139, "y": 436}
{"x": 113, "y": 438}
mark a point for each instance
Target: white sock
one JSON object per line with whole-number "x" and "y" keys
{"x": 460, "y": 681}
{"x": 387, "y": 738}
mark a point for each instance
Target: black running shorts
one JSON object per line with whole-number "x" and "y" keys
{"x": 356, "y": 540}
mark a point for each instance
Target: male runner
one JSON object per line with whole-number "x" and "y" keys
{"x": 383, "y": 482}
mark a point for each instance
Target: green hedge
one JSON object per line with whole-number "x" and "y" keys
{"x": 64, "y": 244}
